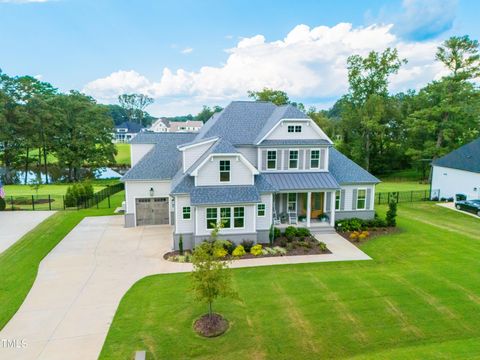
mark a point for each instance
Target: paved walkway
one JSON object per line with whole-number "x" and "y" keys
{"x": 15, "y": 224}
{"x": 451, "y": 206}
{"x": 71, "y": 305}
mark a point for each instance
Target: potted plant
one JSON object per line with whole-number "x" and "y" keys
{"x": 323, "y": 217}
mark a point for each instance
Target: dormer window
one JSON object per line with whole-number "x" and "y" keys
{"x": 291, "y": 128}
{"x": 298, "y": 128}
{"x": 224, "y": 170}
{"x": 294, "y": 128}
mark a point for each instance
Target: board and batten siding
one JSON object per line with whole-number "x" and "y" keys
{"x": 192, "y": 154}
{"x": 348, "y": 197}
{"x": 209, "y": 173}
{"x": 141, "y": 189}
{"x": 138, "y": 151}
{"x": 250, "y": 219}
{"x": 281, "y": 131}
{"x": 304, "y": 156}
{"x": 184, "y": 226}
{"x": 264, "y": 222}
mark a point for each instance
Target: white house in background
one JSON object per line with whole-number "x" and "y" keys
{"x": 164, "y": 125}
{"x": 458, "y": 172}
{"x": 126, "y": 131}
{"x": 252, "y": 165}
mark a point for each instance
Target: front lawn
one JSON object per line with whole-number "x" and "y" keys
{"x": 54, "y": 189}
{"x": 418, "y": 298}
{"x": 123, "y": 154}
{"x": 19, "y": 263}
{"x": 390, "y": 186}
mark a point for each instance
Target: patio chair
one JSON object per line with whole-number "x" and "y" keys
{"x": 276, "y": 219}
{"x": 292, "y": 218}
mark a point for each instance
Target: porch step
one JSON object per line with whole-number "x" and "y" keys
{"x": 322, "y": 230}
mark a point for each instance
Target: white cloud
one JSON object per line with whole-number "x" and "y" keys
{"x": 187, "y": 50}
{"x": 307, "y": 63}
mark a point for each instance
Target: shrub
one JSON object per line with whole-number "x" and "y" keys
{"x": 283, "y": 242}
{"x": 354, "y": 235}
{"x": 391, "y": 214}
{"x": 247, "y": 245}
{"x": 256, "y": 250}
{"x": 304, "y": 244}
{"x": 180, "y": 245}
{"x": 290, "y": 232}
{"x": 280, "y": 250}
{"x": 322, "y": 246}
{"x": 361, "y": 236}
{"x": 239, "y": 251}
{"x": 365, "y": 233}
{"x": 220, "y": 252}
{"x": 276, "y": 233}
{"x": 271, "y": 234}
{"x": 268, "y": 251}
{"x": 228, "y": 246}
{"x": 78, "y": 192}
{"x": 303, "y": 232}
{"x": 3, "y": 204}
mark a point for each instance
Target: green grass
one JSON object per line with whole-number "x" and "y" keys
{"x": 123, "y": 155}
{"x": 19, "y": 263}
{"x": 418, "y": 299}
{"x": 56, "y": 189}
{"x": 388, "y": 186}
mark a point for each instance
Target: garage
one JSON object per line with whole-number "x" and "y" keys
{"x": 152, "y": 211}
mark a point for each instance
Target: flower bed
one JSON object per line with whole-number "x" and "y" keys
{"x": 294, "y": 241}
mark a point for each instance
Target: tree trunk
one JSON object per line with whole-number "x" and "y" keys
{"x": 26, "y": 166}
{"x": 45, "y": 165}
{"x": 367, "y": 151}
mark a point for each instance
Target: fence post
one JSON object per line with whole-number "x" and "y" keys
{"x": 398, "y": 194}
{"x": 49, "y": 202}
{"x": 63, "y": 199}
{"x": 96, "y": 199}
{"x": 33, "y": 203}
{"x": 11, "y": 201}
{"x": 108, "y": 195}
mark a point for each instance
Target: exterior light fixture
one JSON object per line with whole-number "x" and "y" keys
{"x": 152, "y": 192}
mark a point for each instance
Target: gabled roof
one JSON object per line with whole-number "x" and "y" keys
{"x": 243, "y": 122}
{"x": 345, "y": 171}
{"x": 294, "y": 142}
{"x": 212, "y": 195}
{"x": 130, "y": 126}
{"x": 302, "y": 181}
{"x": 466, "y": 157}
{"x": 162, "y": 161}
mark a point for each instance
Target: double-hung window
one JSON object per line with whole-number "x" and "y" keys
{"x": 271, "y": 159}
{"x": 224, "y": 170}
{"x": 261, "y": 210}
{"x": 211, "y": 218}
{"x": 186, "y": 212}
{"x": 292, "y": 202}
{"x": 314, "y": 159}
{"x": 338, "y": 195}
{"x": 225, "y": 215}
{"x": 239, "y": 217}
{"x": 293, "y": 159}
{"x": 361, "y": 199}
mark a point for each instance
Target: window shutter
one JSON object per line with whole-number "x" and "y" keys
{"x": 279, "y": 159}
{"x": 354, "y": 199}
{"x": 264, "y": 159}
{"x": 300, "y": 159}
{"x": 329, "y": 201}
{"x": 369, "y": 195}
{"x": 307, "y": 160}
{"x": 286, "y": 158}
{"x": 322, "y": 159}
{"x": 342, "y": 200}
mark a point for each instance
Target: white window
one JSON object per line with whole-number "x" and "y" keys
{"x": 291, "y": 128}
{"x": 314, "y": 159}
{"x": 298, "y": 128}
{"x": 186, "y": 212}
{"x": 271, "y": 159}
{"x": 292, "y": 202}
{"x": 224, "y": 170}
{"x": 225, "y": 217}
{"x": 261, "y": 210}
{"x": 239, "y": 217}
{"x": 338, "y": 195}
{"x": 211, "y": 218}
{"x": 293, "y": 159}
{"x": 361, "y": 199}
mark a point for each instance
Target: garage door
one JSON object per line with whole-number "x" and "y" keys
{"x": 152, "y": 211}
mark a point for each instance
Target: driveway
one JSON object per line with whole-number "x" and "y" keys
{"x": 70, "y": 307}
{"x": 451, "y": 206}
{"x": 15, "y": 224}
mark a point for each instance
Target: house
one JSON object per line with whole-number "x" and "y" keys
{"x": 458, "y": 172}
{"x": 126, "y": 131}
{"x": 252, "y": 165}
{"x": 164, "y": 125}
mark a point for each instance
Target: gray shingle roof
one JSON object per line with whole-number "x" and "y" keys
{"x": 219, "y": 147}
{"x": 466, "y": 157}
{"x": 345, "y": 171}
{"x": 154, "y": 138}
{"x": 163, "y": 161}
{"x": 294, "y": 142}
{"x": 130, "y": 126}
{"x": 212, "y": 195}
{"x": 301, "y": 181}
{"x": 243, "y": 122}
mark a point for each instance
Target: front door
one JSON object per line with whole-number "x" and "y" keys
{"x": 316, "y": 205}
{"x": 152, "y": 211}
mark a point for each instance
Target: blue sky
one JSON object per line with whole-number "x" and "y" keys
{"x": 160, "y": 47}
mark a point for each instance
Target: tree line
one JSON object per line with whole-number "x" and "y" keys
{"x": 36, "y": 121}
{"x": 386, "y": 132}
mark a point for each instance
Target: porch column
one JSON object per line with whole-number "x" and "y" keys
{"x": 309, "y": 207}
{"x": 332, "y": 209}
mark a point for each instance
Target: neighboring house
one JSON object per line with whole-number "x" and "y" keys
{"x": 252, "y": 165}
{"x": 164, "y": 125}
{"x": 126, "y": 131}
{"x": 458, "y": 172}
{"x": 160, "y": 125}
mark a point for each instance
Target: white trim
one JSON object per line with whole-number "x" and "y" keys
{"x": 339, "y": 199}
{"x": 232, "y": 217}
{"x": 264, "y": 210}
{"x": 356, "y": 205}
{"x": 151, "y": 197}
{"x": 307, "y": 120}
{"x": 276, "y": 159}
{"x": 247, "y": 163}
{"x": 319, "y": 158}
{"x": 183, "y": 218}
{"x": 298, "y": 160}
{"x": 229, "y": 173}
{"x": 185, "y": 147}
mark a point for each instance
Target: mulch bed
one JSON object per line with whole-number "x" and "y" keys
{"x": 211, "y": 326}
{"x": 373, "y": 234}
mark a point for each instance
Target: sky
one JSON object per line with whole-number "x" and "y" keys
{"x": 186, "y": 54}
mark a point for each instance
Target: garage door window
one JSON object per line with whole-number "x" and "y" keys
{"x": 211, "y": 218}
{"x": 186, "y": 213}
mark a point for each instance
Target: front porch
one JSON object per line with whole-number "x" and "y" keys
{"x": 304, "y": 209}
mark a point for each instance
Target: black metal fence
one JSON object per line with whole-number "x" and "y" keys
{"x": 402, "y": 196}
{"x": 100, "y": 199}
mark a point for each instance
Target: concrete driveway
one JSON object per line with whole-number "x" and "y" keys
{"x": 70, "y": 307}
{"x": 15, "y": 224}
{"x": 451, "y": 206}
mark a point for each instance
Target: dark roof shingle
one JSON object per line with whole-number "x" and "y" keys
{"x": 466, "y": 157}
